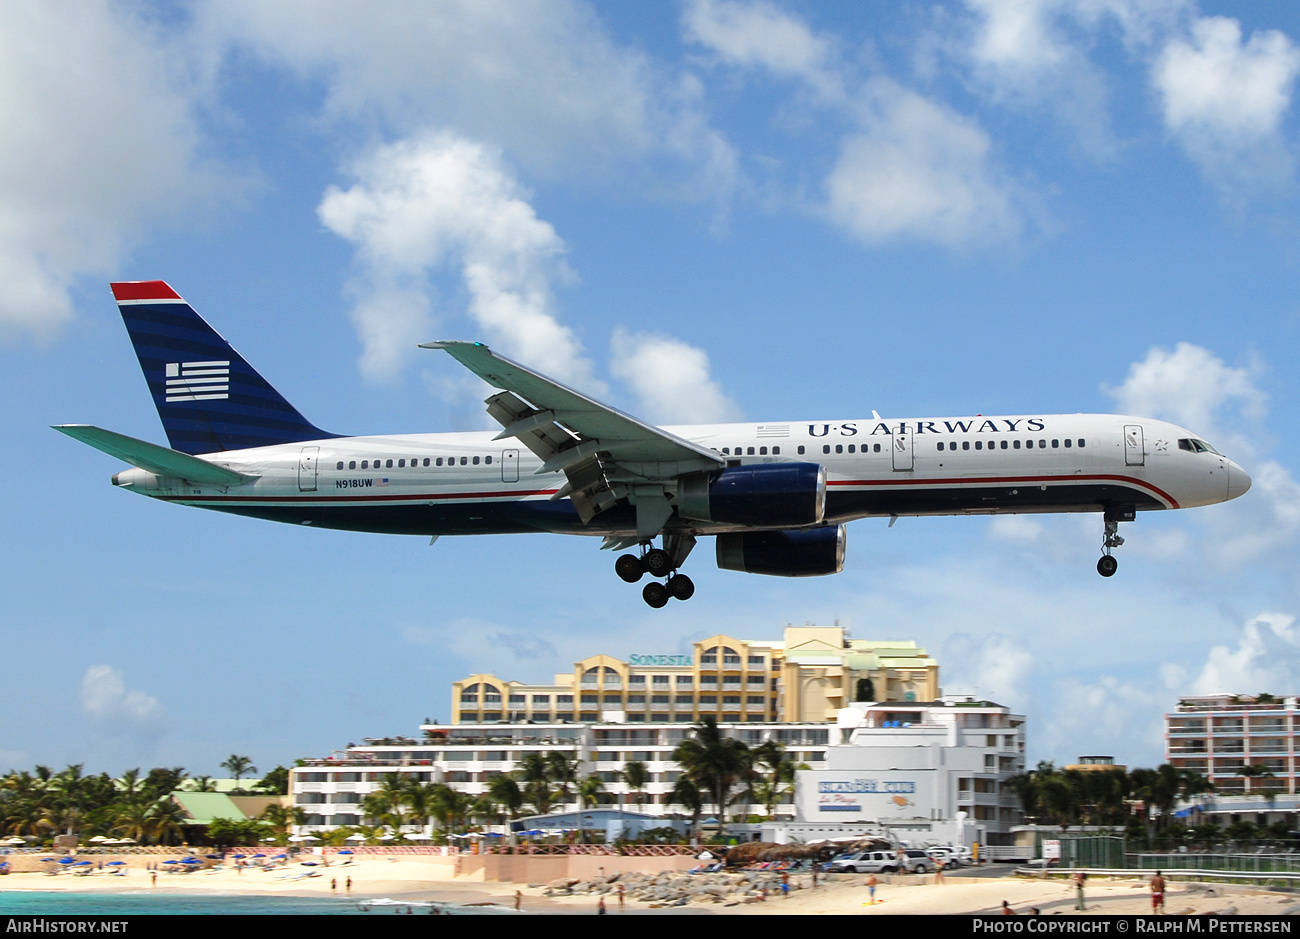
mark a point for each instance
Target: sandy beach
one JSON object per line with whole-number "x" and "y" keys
{"x": 414, "y": 879}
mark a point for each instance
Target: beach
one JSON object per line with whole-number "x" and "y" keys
{"x": 419, "y": 880}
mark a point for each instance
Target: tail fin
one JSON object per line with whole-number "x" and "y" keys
{"x": 208, "y": 397}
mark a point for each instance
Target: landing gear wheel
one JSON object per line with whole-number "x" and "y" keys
{"x": 657, "y": 563}
{"x": 1107, "y": 566}
{"x": 629, "y": 567}
{"x": 681, "y": 587}
{"x": 655, "y": 594}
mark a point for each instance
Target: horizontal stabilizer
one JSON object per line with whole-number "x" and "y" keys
{"x": 151, "y": 457}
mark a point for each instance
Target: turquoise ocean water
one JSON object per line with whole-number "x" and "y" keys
{"x": 40, "y": 903}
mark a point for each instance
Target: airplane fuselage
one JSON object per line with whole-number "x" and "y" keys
{"x": 471, "y": 483}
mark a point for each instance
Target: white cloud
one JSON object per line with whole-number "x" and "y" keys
{"x": 440, "y": 199}
{"x": 919, "y": 171}
{"x": 99, "y": 144}
{"x": 1265, "y": 659}
{"x": 1224, "y": 100}
{"x": 1190, "y": 386}
{"x": 760, "y": 34}
{"x": 670, "y": 378}
{"x": 1095, "y": 717}
{"x": 540, "y": 78}
{"x": 104, "y": 695}
{"x": 994, "y": 666}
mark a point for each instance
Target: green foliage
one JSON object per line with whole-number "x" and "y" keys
{"x": 276, "y": 781}
{"x": 226, "y": 832}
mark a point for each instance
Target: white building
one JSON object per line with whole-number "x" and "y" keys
{"x": 466, "y": 756}
{"x": 918, "y": 767}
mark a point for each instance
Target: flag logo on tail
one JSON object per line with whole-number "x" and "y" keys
{"x": 198, "y": 381}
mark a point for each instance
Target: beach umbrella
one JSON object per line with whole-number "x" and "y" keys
{"x": 356, "y": 837}
{"x": 116, "y": 864}
{"x": 67, "y": 860}
{"x": 97, "y": 839}
{"x": 345, "y": 851}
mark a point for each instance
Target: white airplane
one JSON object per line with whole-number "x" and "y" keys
{"x": 775, "y": 496}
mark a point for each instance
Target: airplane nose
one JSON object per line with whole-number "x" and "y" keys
{"x": 1238, "y": 480}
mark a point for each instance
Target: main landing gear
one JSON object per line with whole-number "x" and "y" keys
{"x": 1107, "y": 565}
{"x": 660, "y": 562}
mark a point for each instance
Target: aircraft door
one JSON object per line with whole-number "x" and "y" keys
{"x": 902, "y": 445}
{"x": 510, "y": 466}
{"x": 307, "y": 465}
{"x": 1134, "y": 448}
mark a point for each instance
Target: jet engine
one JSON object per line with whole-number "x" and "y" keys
{"x": 768, "y": 495}
{"x": 801, "y": 552}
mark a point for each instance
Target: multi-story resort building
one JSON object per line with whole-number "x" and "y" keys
{"x": 1220, "y": 735}
{"x": 814, "y": 691}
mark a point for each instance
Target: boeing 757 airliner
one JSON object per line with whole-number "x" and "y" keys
{"x": 774, "y": 496}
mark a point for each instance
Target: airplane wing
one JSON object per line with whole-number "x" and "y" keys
{"x": 605, "y": 454}
{"x": 151, "y": 457}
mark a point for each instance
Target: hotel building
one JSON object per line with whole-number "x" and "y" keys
{"x": 1220, "y": 735}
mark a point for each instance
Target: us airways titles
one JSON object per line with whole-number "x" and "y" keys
{"x": 986, "y": 426}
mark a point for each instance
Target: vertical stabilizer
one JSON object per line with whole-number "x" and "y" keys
{"x": 208, "y": 397}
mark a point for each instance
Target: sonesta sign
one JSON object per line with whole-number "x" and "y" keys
{"x": 661, "y": 660}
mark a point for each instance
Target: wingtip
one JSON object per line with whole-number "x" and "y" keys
{"x": 450, "y": 344}
{"x": 143, "y": 290}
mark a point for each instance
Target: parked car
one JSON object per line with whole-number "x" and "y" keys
{"x": 951, "y": 855}
{"x": 881, "y": 861}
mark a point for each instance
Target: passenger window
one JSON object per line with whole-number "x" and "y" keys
{"x": 389, "y": 464}
{"x": 749, "y": 452}
{"x": 876, "y": 448}
{"x": 1081, "y": 441}
{"x": 1016, "y": 445}
{"x": 826, "y": 448}
{"x": 426, "y": 461}
{"x": 464, "y": 461}
{"x": 952, "y": 445}
{"x": 401, "y": 463}
{"x": 365, "y": 464}
{"x": 979, "y": 444}
{"x": 340, "y": 466}
{"x": 1056, "y": 444}
{"x": 438, "y": 462}
{"x": 1004, "y": 445}
{"x": 352, "y": 464}
{"x": 939, "y": 445}
{"x": 487, "y": 459}
{"x": 1067, "y": 443}
{"x": 762, "y": 451}
{"x": 965, "y": 444}
{"x": 476, "y": 461}
{"x": 726, "y": 451}
{"x": 801, "y": 449}
{"x": 839, "y": 448}
{"x": 853, "y": 448}
{"x": 776, "y": 451}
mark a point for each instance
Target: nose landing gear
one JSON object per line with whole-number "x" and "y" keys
{"x": 1107, "y": 565}
{"x": 660, "y": 562}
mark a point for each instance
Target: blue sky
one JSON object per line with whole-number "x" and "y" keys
{"x": 697, "y": 211}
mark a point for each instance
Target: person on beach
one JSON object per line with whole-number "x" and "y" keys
{"x": 938, "y": 871}
{"x": 519, "y": 898}
{"x": 600, "y": 908}
{"x": 1080, "y": 878}
{"x": 1157, "y": 894}
{"x": 1006, "y": 909}
{"x": 622, "y": 890}
{"x": 871, "y": 887}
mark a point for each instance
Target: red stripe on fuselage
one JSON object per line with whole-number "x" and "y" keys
{"x": 1002, "y": 480}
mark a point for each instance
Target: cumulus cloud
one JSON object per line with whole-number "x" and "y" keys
{"x": 440, "y": 199}
{"x": 104, "y": 695}
{"x": 100, "y": 144}
{"x": 994, "y": 666}
{"x": 762, "y": 35}
{"x": 1190, "y": 386}
{"x": 670, "y": 378}
{"x": 919, "y": 171}
{"x": 1094, "y": 717}
{"x": 540, "y": 78}
{"x": 1265, "y": 659}
{"x": 1224, "y": 100}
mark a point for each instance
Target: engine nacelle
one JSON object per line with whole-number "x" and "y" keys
{"x": 802, "y": 552}
{"x": 768, "y": 495}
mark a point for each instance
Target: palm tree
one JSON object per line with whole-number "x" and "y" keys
{"x": 779, "y": 782}
{"x": 239, "y": 766}
{"x": 505, "y": 792}
{"x": 637, "y": 777}
{"x": 686, "y": 794}
{"x": 715, "y": 764}
{"x": 533, "y": 772}
{"x": 562, "y": 769}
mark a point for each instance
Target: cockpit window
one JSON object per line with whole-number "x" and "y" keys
{"x": 1195, "y": 446}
